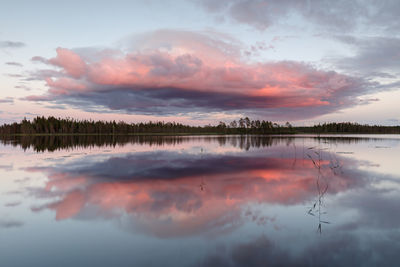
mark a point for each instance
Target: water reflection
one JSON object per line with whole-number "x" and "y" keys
{"x": 248, "y": 197}
{"x": 160, "y": 189}
{"x": 51, "y": 143}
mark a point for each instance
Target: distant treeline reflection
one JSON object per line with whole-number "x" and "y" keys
{"x": 42, "y": 143}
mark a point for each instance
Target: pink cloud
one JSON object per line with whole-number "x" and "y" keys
{"x": 64, "y": 85}
{"x": 179, "y": 73}
{"x": 69, "y": 61}
{"x": 167, "y": 193}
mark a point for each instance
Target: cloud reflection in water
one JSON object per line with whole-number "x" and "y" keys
{"x": 175, "y": 191}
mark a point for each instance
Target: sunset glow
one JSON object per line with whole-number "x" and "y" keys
{"x": 292, "y": 63}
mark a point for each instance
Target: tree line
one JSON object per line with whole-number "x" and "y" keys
{"x": 65, "y": 126}
{"x": 52, "y": 125}
{"x": 348, "y": 127}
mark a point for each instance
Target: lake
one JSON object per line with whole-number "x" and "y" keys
{"x": 200, "y": 201}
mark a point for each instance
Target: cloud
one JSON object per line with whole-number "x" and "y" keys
{"x": 69, "y": 61}
{"x": 54, "y": 107}
{"x": 328, "y": 15}
{"x": 373, "y": 24}
{"x": 22, "y": 86}
{"x": 39, "y": 59}
{"x": 374, "y": 56}
{"x": 8, "y": 167}
{"x": 339, "y": 249}
{"x": 7, "y": 100}
{"x": 13, "y": 75}
{"x": 258, "y": 252}
{"x": 169, "y": 184}
{"x": 158, "y": 193}
{"x": 172, "y": 72}
{"x": 11, "y": 44}
{"x": 16, "y": 64}
{"x": 375, "y": 208}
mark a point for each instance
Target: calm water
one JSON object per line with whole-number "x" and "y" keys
{"x": 200, "y": 201}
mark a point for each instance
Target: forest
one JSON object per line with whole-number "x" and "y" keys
{"x": 68, "y": 126}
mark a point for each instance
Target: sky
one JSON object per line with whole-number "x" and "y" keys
{"x": 201, "y": 61}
